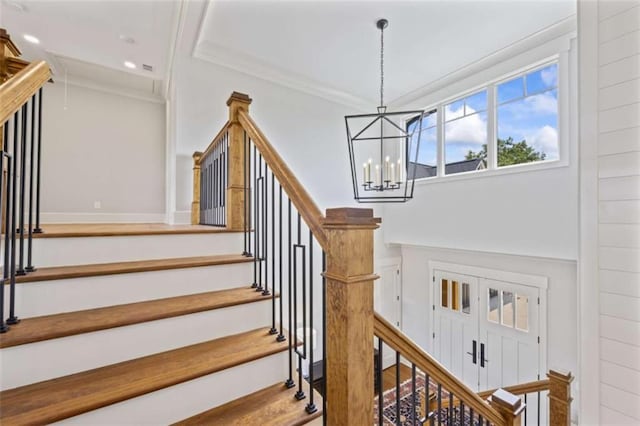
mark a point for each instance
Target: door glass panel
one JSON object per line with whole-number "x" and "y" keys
{"x": 507, "y": 308}
{"x": 455, "y": 296}
{"x": 444, "y": 292}
{"x": 466, "y": 298}
{"x": 494, "y": 306}
{"x": 522, "y": 313}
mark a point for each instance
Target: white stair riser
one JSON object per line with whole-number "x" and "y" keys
{"x": 85, "y": 250}
{"x": 35, "y": 362}
{"x": 56, "y": 296}
{"x": 184, "y": 400}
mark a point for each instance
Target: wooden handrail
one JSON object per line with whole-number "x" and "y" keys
{"x": 303, "y": 202}
{"x": 398, "y": 341}
{"x": 21, "y": 87}
{"x": 520, "y": 389}
{"x": 215, "y": 140}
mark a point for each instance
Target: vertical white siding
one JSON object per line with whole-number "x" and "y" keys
{"x": 619, "y": 210}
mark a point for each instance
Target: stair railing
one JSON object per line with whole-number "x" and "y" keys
{"x": 21, "y": 142}
{"x": 317, "y": 271}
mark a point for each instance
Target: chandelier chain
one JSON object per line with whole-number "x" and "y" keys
{"x": 382, "y": 66}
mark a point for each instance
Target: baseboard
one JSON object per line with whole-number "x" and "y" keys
{"x": 55, "y": 217}
{"x": 182, "y": 217}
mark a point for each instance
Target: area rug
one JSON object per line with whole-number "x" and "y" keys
{"x": 407, "y": 402}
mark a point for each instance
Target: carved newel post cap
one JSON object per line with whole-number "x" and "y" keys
{"x": 239, "y": 97}
{"x": 351, "y": 216}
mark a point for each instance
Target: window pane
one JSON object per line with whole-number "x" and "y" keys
{"x": 426, "y": 165}
{"x": 528, "y": 129}
{"x": 543, "y": 79}
{"x": 466, "y": 144}
{"x": 494, "y": 306}
{"x": 476, "y": 103}
{"x": 507, "y": 308}
{"x": 510, "y": 90}
{"x": 455, "y": 296}
{"x": 522, "y": 313}
{"x": 466, "y": 298}
{"x": 454, "y": 110}
{"x": 444, "y": 293}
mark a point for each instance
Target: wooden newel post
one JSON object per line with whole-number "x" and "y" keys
{"x": 509, "y": 406}
{"x": 559, "y": 398}
{"x": 236, "y": 190}
{"x": 349, "y": 310}
{"x": 195, "y": 204}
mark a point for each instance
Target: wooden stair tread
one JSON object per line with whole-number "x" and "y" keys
{"x": 57, "y": 399}
{"x": 47, "y": 327}
{"x": 77, "y": 230}
{"x": 272, "y": 406}
{"x": 97, "y": 269}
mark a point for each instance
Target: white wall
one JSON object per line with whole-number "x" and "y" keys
{"x": 529, "y": 213}
{"x": 99, "y": 146}
{"x": 307, "y": 131}
{"x": 611, "y": 239}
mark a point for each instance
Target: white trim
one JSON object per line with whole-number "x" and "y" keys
{"x": 55, "y": 217}
{"x": 537, "y": 281}
{"x": 249, "y": 65}
{"x": 588, "y": 338}
{"x": 134, "y": 94}
{"x": 182, "y": 217}
{"x": 557, "y": 35}
{"x": 388, "y": 261}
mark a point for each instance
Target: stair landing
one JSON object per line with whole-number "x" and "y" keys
{"x": 120, "y": 229}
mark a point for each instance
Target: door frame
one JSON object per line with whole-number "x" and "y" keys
{"x": 538, "y": 281}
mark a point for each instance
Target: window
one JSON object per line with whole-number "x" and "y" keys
{"x": 509, "y": 122}
{"x": 465, "y": 131}
{"x": 527, "y": 117}
{"x": 508, "y": 308}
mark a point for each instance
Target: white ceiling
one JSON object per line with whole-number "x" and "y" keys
{"x": 333, "y": 46}
{"x": 83, "y": 38}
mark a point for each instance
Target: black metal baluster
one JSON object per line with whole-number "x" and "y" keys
{"x": 414, "y": 400}
{"x": 450, "y": 410}
{"x": 300, "y": 393}
{"x": 273, "y": 330}
{"x": 471, "y": 416}
{"x": 311, "y": 406}
{"x": 3, "y": 327}
{"x": 30, "y": 267}
{"x": 398, "y": 388}
{"x": 265, "y": 230}
{"x": 290, "y": 383}
{"x": 462, "y": 415}
{"x": 13, "y": 319}
{"x": 380, "y": 383}
{"x": 324, "y": 339}
{"x": 431, "y": 415}
{"x": 426, "y": 414}
{"x": 259, "y": 222}
{"x": 245, "y": 172}
{"x": 525, "y": 410}
{"x": 538, "y": 406}
{"x": 37, "y": 229}
{"x": 280, "y": 337}
{"x": 23, "y": 181}
{"x": 439, "y": 403}
{"x": 255, "y": 219}
{"x": 480, "y": 420}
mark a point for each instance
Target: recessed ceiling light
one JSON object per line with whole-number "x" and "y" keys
{"x": 31, "y": 39}
{"x": 130, "y": 65}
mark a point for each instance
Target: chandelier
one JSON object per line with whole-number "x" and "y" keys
{"x": 383, "y": 149}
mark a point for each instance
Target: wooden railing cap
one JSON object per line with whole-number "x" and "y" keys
{"x": 506, "y": 399}
{"x": 239, "y": 97}
{"x": 5, "y": 39}
{"x": 196, "y": 155}
{"x": 350, "y": 216}
{"x": 566, "y": 377}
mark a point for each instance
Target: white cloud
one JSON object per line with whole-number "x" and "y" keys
{"x": 545, "y": 139}
{"x": 471, "y": 129}
{"x": 550, "y": 76}
{"x": 544, "y": 103}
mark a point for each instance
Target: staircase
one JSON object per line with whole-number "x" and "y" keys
{"x": 155, "y": 340}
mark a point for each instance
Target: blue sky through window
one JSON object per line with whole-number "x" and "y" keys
{"x": 527, "y": 109}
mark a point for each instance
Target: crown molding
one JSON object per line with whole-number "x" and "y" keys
{"x": 247, "y": 64}
{"x": 562, "y": 30}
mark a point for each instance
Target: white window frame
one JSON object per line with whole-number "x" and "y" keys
{"x": 492, "y": 169}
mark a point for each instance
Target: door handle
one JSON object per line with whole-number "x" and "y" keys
{"x": 474, "y": 354}
{"x": 482, "y": 359}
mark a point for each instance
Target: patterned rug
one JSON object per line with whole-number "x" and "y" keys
{"x": 407, "y": 402}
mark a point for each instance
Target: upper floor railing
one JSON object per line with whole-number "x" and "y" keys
{"x": 21, "y": 93}
{"x": 317, "y": 270}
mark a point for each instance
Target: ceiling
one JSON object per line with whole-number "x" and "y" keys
{"x": 333, "y": 46}
{"x": 86, "y": 39}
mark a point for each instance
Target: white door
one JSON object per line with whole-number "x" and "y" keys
{"x": 509, "y": 339}
{"x": 386, "y": 301}
{"x": 455, "y": 338}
